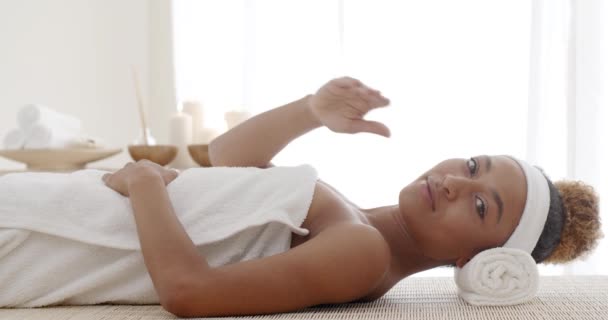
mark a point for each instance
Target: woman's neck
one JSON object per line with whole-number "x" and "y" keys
{"x": 407, "y": 259}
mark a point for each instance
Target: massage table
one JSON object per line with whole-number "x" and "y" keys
{"x": 559, "y": 297}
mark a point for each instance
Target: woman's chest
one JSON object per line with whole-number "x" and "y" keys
{"x": 327, "y": 208}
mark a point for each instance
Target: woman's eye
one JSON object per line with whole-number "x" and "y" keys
{"x": 472, "y": 165}
{"x": 481, "y": 207}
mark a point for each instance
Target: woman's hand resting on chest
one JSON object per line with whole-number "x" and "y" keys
{"x": 132, "y": 172}
{"x": 341, "y": 104}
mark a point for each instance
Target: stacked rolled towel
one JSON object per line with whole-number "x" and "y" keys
{"x": 42, "y": 127}
{"x": 497, "y": 277}
{"x": 32, "y": 114}
{"x": 14, "y": 139}
{"x": 44, "y": 136}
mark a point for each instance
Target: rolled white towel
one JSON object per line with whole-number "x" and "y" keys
{"x": 41, "y": 136}
{"x": 14, "y": 139}
{"x": 86, "y": 142}
{"x": 498, "y": 276}
{"x": 30, "y": 114}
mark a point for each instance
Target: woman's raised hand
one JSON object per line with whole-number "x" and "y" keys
{"x": 342, "y": 103}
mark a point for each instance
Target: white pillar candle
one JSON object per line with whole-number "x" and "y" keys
{"x": 233, "y": 118}
{"x": 180, "y": 135}
{"x": 205, "y": 135}
{"x": 195, "y": 110}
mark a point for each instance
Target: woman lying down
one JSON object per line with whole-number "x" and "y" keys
{"x": 245, "y": 237}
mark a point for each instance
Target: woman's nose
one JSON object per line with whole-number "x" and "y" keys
{"x": 452, "y": 185}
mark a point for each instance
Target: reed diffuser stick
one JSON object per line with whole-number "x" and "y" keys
{"x": 142, "y": 116}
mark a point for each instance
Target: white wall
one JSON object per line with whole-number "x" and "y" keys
{"x": 75, "y": 55}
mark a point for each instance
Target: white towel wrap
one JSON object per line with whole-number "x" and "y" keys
{"x": 73, "y": 221}
{"x": 509, "y": 275}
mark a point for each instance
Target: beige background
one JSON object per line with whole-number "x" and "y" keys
{"x": 74, "y": 56}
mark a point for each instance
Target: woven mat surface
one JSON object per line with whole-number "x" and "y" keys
{"x": 564, "y": 297}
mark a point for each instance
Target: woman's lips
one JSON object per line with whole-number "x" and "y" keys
{"x": 425, "y": 189}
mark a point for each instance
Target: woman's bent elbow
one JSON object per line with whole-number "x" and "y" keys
{"x": 174, "y": 305}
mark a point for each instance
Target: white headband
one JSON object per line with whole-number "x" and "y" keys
{"x": 535, "y": 213}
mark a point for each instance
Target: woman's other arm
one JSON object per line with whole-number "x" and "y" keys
{"x": 335, "y": 267}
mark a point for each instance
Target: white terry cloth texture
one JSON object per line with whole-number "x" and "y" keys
{"x": 66, "y": 238}
{"x": 40, "y": 127}
{"x": 508, "y": 275}
{"x": 42, "y": 136}
{"x": 30, "y": 114}
{"x": 499, "y": 276}
{"x": 14, "y": 139}
{"x": 46, "y": 128}
{"x": 532, "y": 221}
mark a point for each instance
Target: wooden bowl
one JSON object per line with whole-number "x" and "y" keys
{"x": 161, "y": 154}
{"x": 200, "y": 154}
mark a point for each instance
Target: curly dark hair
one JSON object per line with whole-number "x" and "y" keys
{"x": 573, "y": 225}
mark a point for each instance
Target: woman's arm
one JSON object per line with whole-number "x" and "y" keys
{"x": 168, "y": 251}
{"x": 339, "y": 105}
{"x": 256, "y": 141}
{"x": 340, "y": 264}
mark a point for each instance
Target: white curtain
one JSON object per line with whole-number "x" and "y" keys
{"x": 567, "y": 116}
{"x": 464, "y": 77}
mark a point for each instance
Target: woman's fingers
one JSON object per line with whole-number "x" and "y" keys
{"x": 119, "y": 180}
{"x": 352, "y": 89}
{"x": 170, "y": 175}
{"x": 382, "y": 100}
{"x": 116, "y": 182}
{"x": 371, "y": 127}
{"x": 372, "y": 97}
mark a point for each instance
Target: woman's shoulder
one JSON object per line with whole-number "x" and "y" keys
{"x": 364, "y": 247}
{"x": 365, "y": 239}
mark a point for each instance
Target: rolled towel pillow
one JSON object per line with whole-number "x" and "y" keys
{"x": 41, "y": 136}
{"x": 14, "y": 139}
{"x": 30, "y": 114}
{"x": 497, "y": 277}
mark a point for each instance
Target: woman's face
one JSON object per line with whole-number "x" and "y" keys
{"x": 475, "y": 204}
